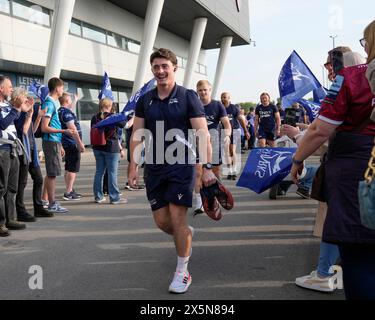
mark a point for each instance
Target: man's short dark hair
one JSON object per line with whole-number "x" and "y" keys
{"x": 54, "y": 83}
{"x": 251, "y": 109}
{"x": 164, "y": 54}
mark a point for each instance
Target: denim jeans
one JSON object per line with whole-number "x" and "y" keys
{"x": 329, "y": 253}
{"x": 309, "y": 177}
{"x": 109, "y": 161}
{"x": 305, "y": 182}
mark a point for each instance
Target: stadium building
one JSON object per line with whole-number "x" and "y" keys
{"x": 79, "y": 40}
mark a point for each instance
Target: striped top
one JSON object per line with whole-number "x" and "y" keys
{"x": 8, "y": 130}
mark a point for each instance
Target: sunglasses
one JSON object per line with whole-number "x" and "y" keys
{"x": 363, "y": 42}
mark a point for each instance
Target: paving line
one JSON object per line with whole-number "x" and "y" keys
{"x": 225, "y": 243}
{"x": 28, "y": 235}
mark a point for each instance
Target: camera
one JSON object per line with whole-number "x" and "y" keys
{"x": 291, "y": 117}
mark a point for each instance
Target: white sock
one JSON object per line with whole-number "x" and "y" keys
{"x": 182, "y": 264}
{"x": 192, "y": 231}
{"x": 198, "y": 201}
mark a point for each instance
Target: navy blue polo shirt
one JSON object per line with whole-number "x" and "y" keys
{"x": 165, "y": 116}
{"x": 66, "y": 115}
{"x": 233, "y": 113}
{"x": 267, "y": 119}
{"x": 214, "y": 112}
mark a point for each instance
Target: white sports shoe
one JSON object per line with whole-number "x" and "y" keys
{"x": 181, "y": 283}
{"x": 327, "y": 284}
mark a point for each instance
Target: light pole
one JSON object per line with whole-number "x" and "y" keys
{"x": 333, "y": 40}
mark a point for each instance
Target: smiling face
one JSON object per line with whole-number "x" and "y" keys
{"x": 225, "y": 99}
{"x": 204, "y": 91}
{"x": 6, "y": 89}
{"x": 265, "y": 100}
{"x": 164, "y": 72}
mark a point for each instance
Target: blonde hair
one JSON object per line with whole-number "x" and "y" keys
{"x": 105, "y": 103}
{"x": 265, "y": 94}
{"x": 18, "y": 92}
{"x": 203, "y": 82}
{"x": 369, "y": 35}
{"x": 353, "y": 59}
{"x": 64, "y": 98}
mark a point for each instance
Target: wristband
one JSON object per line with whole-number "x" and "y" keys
{"x": 297, "y": 162}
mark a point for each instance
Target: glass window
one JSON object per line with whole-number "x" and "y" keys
{"x": 133, "y": 46}
{"x": 124, "y": 97}
{"x": 31, "y": 12}
{"x": 88, "y": 92}
{"x": 94, "y": 33}
{"x": 87, "y": 109}
{"x": 184, "y": 62}
{"x": 4, "y": 6}
{"x": 75, "y": 28}
{"x": 116, "y": 40}
{"x": 180, "y": 62}
{"x": 202, "y": 69}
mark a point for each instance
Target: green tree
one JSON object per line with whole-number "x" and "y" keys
{"x": 247, "y": 105}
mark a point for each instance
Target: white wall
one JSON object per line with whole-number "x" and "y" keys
{"x": 28, "y": 43}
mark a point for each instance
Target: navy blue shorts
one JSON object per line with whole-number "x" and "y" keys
{"x": 72, "y": 159}
{"x": 269, "y": 135}
{"x": 174, "y": 187}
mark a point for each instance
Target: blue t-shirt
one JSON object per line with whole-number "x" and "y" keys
{"x": 214, "y": 112}
{"x": 233, "y": 113}
{"x": 165, "y": 116}
{"x": 52, "y": 106}
{"x": 267, "y": 119}
{"x": 66, "y": 115}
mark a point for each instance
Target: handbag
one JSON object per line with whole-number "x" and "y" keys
{"x": 366, "y": 195}
{"x": 318, "y": 185}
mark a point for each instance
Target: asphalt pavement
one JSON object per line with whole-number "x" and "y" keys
{"x": 103, "y": 251}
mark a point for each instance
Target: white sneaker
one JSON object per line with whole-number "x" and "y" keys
{"x": 120, "y": 201}
{"x": 327, "y": 284}
{"x": 100, "y": 200}
{"x": 181, "y": 283}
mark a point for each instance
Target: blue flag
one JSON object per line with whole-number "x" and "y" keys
{"x": 319, "y": 94}
{"x": 266, "y": 168}
{"x": 128, "y": 109}
{"x": 312, "y": 108}
{"x": 106, "y": 91}
{"x": 41, "y": 91}
{"x": 111, "y": 121}
{"x": 130, "y": 106}
{"x": 296, "y": 80}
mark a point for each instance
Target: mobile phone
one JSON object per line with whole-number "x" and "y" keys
{"x": 337, "y": 61}
{"x": 290, "y": 117}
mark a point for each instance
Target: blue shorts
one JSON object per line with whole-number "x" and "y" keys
{"x": 269, "y": 135}
{"x": 174, "y": 187}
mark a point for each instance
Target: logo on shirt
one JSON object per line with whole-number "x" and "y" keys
{"x": 173, "y": 101}
{"x": 335, "y": 89}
